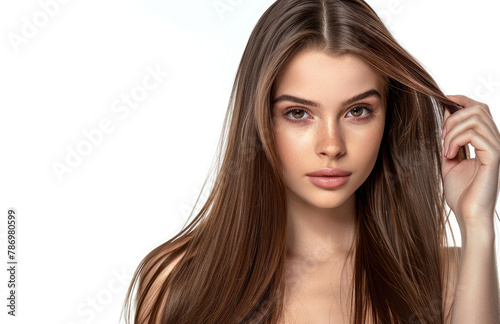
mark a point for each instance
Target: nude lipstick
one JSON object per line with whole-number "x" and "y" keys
{"x": 329, "y": 178}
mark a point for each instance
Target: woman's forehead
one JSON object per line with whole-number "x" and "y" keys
{"x": 315, "y": 72}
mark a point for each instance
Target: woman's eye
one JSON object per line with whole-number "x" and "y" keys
{"x": 296, "y": 115}
{"x": 358, "y": 111}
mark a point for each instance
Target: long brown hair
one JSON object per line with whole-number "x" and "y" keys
{"x": 232, "y": 268}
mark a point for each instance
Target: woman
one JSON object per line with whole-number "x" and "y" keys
{"x": 284, "y": 237}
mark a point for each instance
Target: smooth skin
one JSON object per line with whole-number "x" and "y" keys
{"x": 325, "y": 133}
{"x": 328, "y": 135}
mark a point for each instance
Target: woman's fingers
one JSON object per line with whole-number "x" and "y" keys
{"x": 475, "y": 115}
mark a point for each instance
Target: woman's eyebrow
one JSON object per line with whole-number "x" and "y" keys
{"x": 302, "y": 101}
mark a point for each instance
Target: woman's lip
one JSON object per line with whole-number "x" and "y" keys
{"x": 329, "y": 182}
{"x": 329, "y": 172}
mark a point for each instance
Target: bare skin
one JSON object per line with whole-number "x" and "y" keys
{"x": 317, "y": 293}
{"x": 328, "y": 134}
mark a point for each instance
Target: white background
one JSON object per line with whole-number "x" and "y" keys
{"x": 82, "y": 236}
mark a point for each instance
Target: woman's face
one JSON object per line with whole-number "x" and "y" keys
{"x": 317, "y": 125}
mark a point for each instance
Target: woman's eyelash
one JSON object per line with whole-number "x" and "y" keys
{"x": 369, "y": 114}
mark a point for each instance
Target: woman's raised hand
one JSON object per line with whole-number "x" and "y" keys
{"x": 471, "y": 186}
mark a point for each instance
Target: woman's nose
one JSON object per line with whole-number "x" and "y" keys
{"x": 330, "y": 140}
